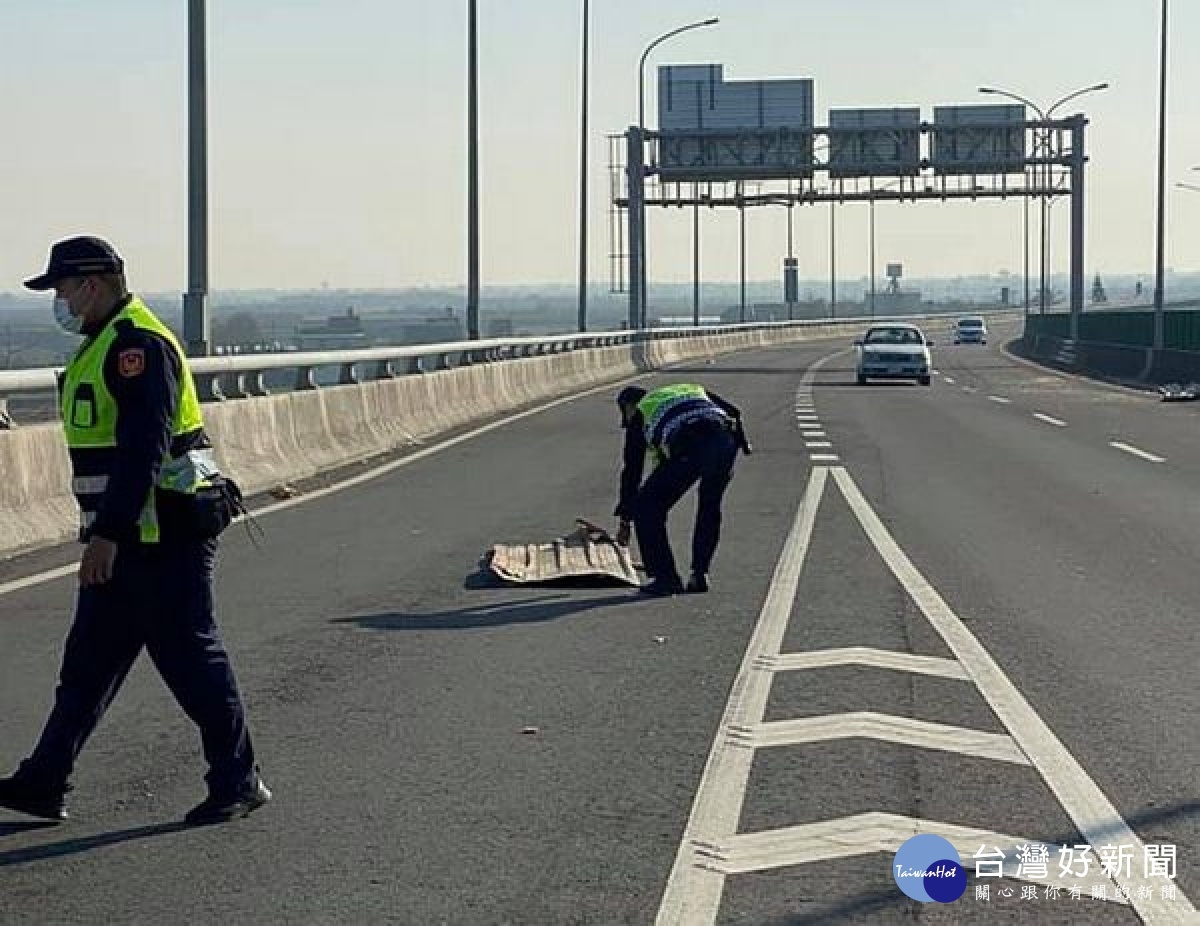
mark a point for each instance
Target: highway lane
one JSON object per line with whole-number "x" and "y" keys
{"x": 1069, "y": 560}
{"x": 388, "y": 693}
{"x": 388, "y": 699}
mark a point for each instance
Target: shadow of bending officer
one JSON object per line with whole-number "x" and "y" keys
{"x": 692, "y": 436}
{"x": 152, "y": 505}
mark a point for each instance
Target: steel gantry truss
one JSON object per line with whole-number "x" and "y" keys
{"x": 797, "y": 170}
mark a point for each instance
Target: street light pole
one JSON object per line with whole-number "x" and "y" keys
{"x": 712, "y": 21}
{"x": 832, "y": 258}
{"x": 583, "y": 175}
{"x": 641, "y": 243}
{"x": 887, "y": 186}
{"x": 1160, "y": 257}
{"x": 195, "y": 300}
{"x": 791, "y": 271}
{"x": 1045, "y": 116}
{"x": 696, "y": 254}
{"x": 872, "y": 204}
{"x": 742, "y": 223}
{"x": 472, "y": 177}
{"x": 1026, "y": 227}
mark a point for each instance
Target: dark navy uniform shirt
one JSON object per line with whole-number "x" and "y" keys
{"x": 634, "y": 455}
{"x": 145, "y": 412}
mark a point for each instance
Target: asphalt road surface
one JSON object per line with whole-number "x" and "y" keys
{"x": 963, "y": 610}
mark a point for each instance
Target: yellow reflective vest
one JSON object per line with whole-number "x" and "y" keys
{"x": 89, "y": 414}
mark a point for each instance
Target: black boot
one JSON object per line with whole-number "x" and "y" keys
{"x": 223, "y": 809}
{"x": 24, "y": 796}
{"x": 662, "y": 588}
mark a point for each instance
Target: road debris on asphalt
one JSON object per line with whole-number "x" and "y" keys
{"x": 588, "y": 556}
{"x": 1174, "y": 392}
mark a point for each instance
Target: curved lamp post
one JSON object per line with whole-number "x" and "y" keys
{"x": 1045, "y": 116}
{"x": 712, "y": 21}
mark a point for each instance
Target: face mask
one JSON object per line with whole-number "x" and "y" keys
{"x": 62, "y": 314}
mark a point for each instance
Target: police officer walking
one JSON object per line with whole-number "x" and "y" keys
{"x": 152, "y": 504}
{"x": 693, "y": 436}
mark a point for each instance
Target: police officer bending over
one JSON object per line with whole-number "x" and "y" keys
{"x": 152, "y": 504}
{"x": 693, "y": 436}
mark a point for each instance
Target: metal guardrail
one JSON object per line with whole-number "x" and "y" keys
{"x": 242, "y": 375}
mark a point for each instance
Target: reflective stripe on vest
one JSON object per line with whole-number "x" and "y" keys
{"x": 89, "y": 414}
{"x": 669, "y": 408}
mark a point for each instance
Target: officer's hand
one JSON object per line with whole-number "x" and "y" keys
{"x": 96, "y": 567}
{"x": 623, "y": 534}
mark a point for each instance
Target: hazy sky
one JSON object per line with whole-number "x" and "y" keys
{"x": 337, "y": 131}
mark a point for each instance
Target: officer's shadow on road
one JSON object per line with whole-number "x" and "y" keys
{"x": 77, "y": 844}
{"x": 494, "y": 614}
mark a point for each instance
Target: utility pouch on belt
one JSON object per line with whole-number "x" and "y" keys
{"x": 204, "y": 514}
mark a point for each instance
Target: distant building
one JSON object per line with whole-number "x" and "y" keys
{"x": 435, "y": 329}
{"x": 338, "y": 332}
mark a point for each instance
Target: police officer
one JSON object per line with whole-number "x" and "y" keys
{"x": 152, "y": 504}
{"x": 692, "y": 435}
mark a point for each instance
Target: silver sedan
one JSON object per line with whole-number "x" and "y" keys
{"x": 893, "y": 351}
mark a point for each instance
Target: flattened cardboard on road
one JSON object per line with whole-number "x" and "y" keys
{"x": 586, "y": 556}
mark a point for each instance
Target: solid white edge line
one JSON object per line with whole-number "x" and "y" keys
{"x": 1088, "y": 807}
{"x": 692, "y": 896}
{"x": 15, "y": 585}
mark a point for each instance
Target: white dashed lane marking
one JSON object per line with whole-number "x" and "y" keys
{"x": 1142, "y": 454}
{"x": 1046, "y": 418}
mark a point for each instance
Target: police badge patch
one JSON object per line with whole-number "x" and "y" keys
{"x": 131, "y": 362}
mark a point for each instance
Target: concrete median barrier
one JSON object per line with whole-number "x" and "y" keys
{"x": 268, "y": 440}
{"x": 36, "y": 505}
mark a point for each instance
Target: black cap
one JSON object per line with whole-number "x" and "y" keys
{"x": 631, "y": 395}
{"x": 77, "y": 257}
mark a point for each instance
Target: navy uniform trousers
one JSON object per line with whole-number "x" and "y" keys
{"x": 160, "y": 597}
{"x": 703, "y": 454}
